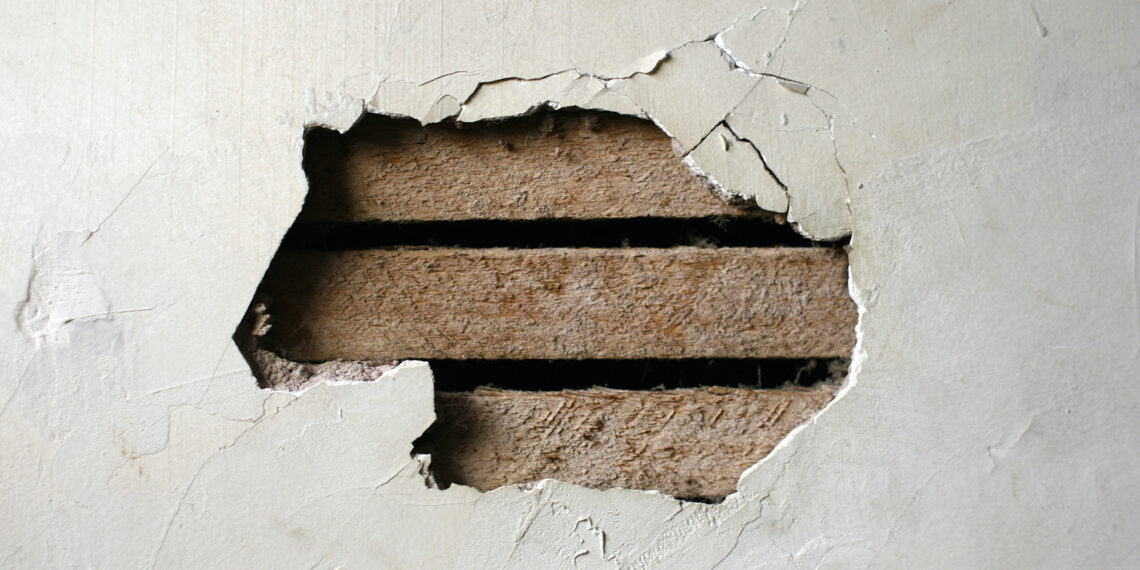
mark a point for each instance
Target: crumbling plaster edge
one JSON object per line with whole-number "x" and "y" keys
{"x": 386, "y": 375}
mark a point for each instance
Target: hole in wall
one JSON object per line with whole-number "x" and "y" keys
{"x": 592, "y": 311}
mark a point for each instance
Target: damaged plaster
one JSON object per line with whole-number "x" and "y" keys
{"x": 984, "y": 167}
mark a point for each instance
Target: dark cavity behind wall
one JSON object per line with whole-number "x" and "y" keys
{"x": 649, "y": 374}
{"x": 713, "y": 231}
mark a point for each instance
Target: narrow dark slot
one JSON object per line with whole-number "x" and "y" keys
{"x": 635, "y": 232}
{"x": 549, "y": 375}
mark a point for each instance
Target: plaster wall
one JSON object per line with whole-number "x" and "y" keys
{"x": 981, "y": 154}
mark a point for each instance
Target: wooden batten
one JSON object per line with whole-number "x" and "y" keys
{"x": 565, "y": 303}
{"x": 691, "y": 443}
{"x": 566, "y": 165}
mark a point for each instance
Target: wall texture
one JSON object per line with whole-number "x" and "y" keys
{"x": 982, "y": 154}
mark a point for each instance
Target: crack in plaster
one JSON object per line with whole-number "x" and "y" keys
{"x": 802, "y": 88}
{"x": 464, "y": 99}
{"x": 662, "y": 126}
{"x": 835, "y": 151}
{"x": 128, "y": 193}
{"x": 759, "y": 155}
{"x": 740, "y": 532}
{"x": 604, "y": 80}
{"x": 787, "y": 30}
{"x": 201, "y": 468}
{"x": 722, "y": 185}
{"x": 214, "y": 372}
{"x": 1135, "y": 272}
{"x": 793, "y": 85}
{"x": 459, "y": 103}
{"x": 19, "y": 384}
{"x": 330, "y": 494}
{"x": 272, "y": 407}
{"x": 444, "y": 76}
{"x": 776, "y": 483}
{"x": 770, "y": 55}
{"x": 458, "y": 106}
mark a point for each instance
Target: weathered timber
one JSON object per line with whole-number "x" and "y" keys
{"x": 559, "y": 303}
{"x": 552, "y": 165}
{"x": 691, "y": 443}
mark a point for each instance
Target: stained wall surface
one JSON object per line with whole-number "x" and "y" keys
{"x": 981, "y": 154}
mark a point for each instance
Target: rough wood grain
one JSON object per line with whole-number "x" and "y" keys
{"x": 551, "y": 165}
{"x": 691, "y": 443}
{"x": 682, "y": 302}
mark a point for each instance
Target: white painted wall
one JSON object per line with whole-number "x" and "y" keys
{"x": 983, "y": 153}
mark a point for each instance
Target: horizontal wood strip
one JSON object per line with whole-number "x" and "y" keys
{"x": 564, "y": 303}
{"x": 691, "y": 443}
{"x": 552, "y": 165}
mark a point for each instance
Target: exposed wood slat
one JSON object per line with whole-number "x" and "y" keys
{"x": 682, "y": 302}
{"x": 564, "y": 165}
{"x": 687, "y": 443}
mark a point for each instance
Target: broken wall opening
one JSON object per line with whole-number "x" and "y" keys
{"x": 592, "y": 311}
